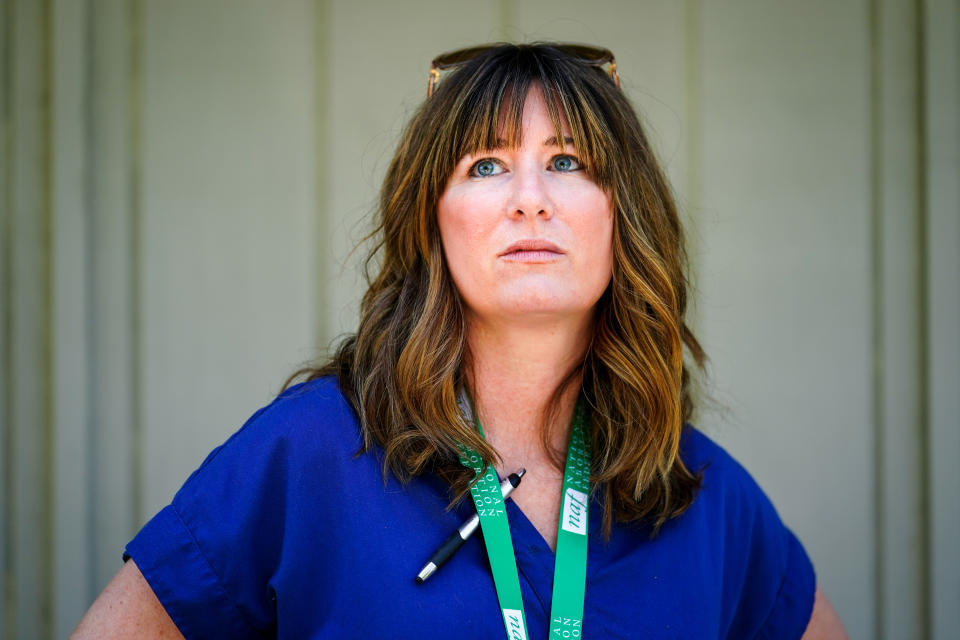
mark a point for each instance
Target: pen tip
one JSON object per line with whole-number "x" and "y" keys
{"x": 426, "y": 572}
{"x": 521, "y": 472}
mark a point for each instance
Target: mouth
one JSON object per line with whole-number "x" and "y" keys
{"x": 532, "y": 250}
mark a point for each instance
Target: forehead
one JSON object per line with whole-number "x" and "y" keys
{"x": 536, "y": 126}
{"x": 537, "y": 116}
{"x": 520, "y": 121}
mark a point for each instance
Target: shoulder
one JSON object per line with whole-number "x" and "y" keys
{"x": 308, "y": 418}
{"x": 699, "y": 451}
{"x": 722, "y": 475}
{"x": 308, "y": 429}
{"x": 314, "y": 408}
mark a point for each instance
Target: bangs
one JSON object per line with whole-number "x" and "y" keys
{"x": 483, "y": 105}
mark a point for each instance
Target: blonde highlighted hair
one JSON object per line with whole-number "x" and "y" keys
{"x": 404, "y": 367}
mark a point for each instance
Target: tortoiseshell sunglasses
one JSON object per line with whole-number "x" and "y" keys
{"x": 597, "y": 56}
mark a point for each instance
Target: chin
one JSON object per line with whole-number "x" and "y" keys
{"x": 534, "y": 304}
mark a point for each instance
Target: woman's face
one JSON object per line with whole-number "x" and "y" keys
{"x": 527, "y": 234}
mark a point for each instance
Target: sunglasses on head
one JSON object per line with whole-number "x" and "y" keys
{"x": 596, "y": 56}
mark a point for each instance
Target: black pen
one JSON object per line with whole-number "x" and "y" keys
{"x": 460, "y": 536}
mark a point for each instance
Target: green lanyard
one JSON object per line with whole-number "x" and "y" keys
{"x": 570, "y": 570}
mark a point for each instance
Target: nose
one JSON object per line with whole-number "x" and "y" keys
{"x": 530, "y": 194}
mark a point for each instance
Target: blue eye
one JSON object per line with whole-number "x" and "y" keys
{"x": 487, "y": 167}
{"x": 566, "y": 163}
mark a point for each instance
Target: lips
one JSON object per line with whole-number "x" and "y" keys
{"x": 532, "y": 247}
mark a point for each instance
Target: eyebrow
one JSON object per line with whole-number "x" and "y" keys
{"x": 549, "y": 142}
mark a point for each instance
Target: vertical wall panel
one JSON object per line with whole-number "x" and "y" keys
{"x": 6, "y": 227}
{"x": 323, "y": 167}
{"x": 112, "y": 272}
{"x": 28, "y": 561}
{"x": 71, "y": 314}
{"x": 785, "y": 271}
{"x": 227, "y": 232}
{"x": 692, "y": 187}
{"x": 941, "y": 79}
{"x": 898, "y": 393}
{"x": 91, "y": 304}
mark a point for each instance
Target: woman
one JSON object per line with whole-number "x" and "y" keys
{"x": 532, "y": 285}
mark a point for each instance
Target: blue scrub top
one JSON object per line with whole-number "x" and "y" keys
{"x": 284, "y": 532}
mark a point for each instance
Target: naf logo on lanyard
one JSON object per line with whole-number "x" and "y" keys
{"x": 574, "y": 512}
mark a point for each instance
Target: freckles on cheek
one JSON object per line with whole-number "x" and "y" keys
{"x": 457, "y": 233}
{"x": 465, "y": 228}
{"x": 471, "y": 232}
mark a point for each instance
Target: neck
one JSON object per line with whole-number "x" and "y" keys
{"x": 514, "y": 371}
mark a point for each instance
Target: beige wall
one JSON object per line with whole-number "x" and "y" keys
{"x": 177, "y": 223}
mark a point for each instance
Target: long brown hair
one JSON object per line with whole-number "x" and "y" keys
{"x": 403, "y": 369}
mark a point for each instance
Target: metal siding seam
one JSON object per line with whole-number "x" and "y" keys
{"x": 923, "y": 301}
{"x": 45, "y": 566}
{"x": 877, "y": 326}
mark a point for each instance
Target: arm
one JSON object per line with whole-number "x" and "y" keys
{"x": 127, "y": 608}
{"x": 824, "y": 622}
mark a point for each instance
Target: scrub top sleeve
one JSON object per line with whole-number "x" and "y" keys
{"x": 183, "y": 580}
{"x": 776, "y": 579}
{"x": 210, "y": 555}
{"x": 794, "y": 604}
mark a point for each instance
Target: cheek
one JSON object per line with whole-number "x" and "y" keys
{"x": 596, "y": 229}
{"x": 468, "y": 219}
{"x": 603, "y": 264}
{"x": 454, "y": 228}
{"x": 461, "y": 238}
